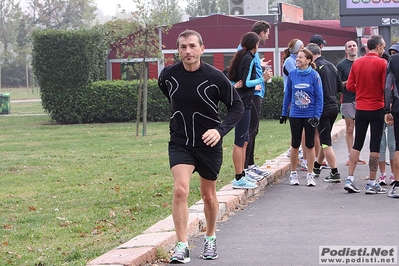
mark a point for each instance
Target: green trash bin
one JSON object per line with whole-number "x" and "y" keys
{"x": 5, "y": 103}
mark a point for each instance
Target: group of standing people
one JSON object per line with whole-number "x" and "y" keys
{"x": 311, "y": 83}
{"x": 368, "y": 92}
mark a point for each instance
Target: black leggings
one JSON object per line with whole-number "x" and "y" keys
{"x": 297, "y": 125}
{"x": 362, "y": 121}
{"x": 396, "y": 130}
{"x": 253, "y": 130}
{"x": 327, "y": 120}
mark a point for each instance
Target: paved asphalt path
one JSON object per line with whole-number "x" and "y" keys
{"x": 287, "y": 224}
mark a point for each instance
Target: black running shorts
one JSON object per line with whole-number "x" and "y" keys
{"x": 206, "y": 160}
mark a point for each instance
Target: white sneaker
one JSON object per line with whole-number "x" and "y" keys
{"x": 391, "y": 180}
{"x": 310, "y": 180}
{"x": 294, "y": 179}
{"x": 304, "y": 165}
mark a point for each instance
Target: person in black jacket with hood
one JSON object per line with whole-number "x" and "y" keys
{"x": 391, "y": 100}
{"x": 332, "y": 84}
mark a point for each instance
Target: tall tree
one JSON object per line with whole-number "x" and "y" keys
{"x": 318, "y": 9}
{"x": 223, "y": 6}
{"x": 197, "y": 8}
{"x": 143, "y": 42}
{"x": 61, "y": 14}
{"x": 10, "y": 15}
{"x": 174, "y": 12}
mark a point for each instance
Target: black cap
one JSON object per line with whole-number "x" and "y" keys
{"x": 317, "y": 39}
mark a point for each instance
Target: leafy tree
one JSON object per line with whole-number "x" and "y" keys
{"x": 10, "y": 14}
{"x": 224, "y": 6}
{"x": 197, "y": 8}
{"x": 318, "y": 9}
{"x": 61, "y": 14}
{"x": 174, "y": 14}
{"x": 142, "y": 42}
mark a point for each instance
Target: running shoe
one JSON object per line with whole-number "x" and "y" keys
{"x": 310, "y": 182}
{"x": 243, "y": 183}
{"x": 255, "y": 169}
{"x": 382, "y": 180}
{"x": 249, "y": 178}
{"x": 324, "y": 165}
{"x": 300, "y": 154}
{"x": 210, "y": 251}
{"x": 304, "y": 166}
{"x": 391, "y": 180}
{"x": 394, "y": 192}
{"x": 351, "y": 187}
{"x": 360, "y": 161}
{"x": 316, "y": 171}
{"x": 333, "y": 178}
{"x": 181, "y": 254}
{"x": 376, "y": 189}
{"x": 294, "y": 179}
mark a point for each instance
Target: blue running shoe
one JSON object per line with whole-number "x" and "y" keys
{"x": 376, "y": 189}
{"x": 243, "y": 183}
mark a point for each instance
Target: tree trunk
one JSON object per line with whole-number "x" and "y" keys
{"x": 139, "y": 101}
{"x": 145, "y": 93}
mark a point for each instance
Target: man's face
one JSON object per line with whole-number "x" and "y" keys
{"x": 190, "y": 50}
{"x": 351, "y": 48}
{"x": 263, "y": 36}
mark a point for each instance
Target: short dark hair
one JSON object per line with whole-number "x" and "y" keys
{"x": 260, "y": 26}
{"x": 374, "y": 41}
{"x": 187, "y": 33}
{"x": 314, "y": 48}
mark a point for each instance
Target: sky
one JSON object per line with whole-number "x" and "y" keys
{"x": 109, "y": 7}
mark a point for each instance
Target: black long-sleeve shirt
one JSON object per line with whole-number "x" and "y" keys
{"x": 194, "y": 98}
{"x": 331, "y": 80}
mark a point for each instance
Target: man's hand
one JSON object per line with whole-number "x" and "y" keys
{"x": 283, "y": 119}
{"x": 211, "y": 137}
{"x": 389, "y": 119}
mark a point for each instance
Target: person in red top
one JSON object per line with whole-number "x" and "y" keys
{"x": 367, "y": 80}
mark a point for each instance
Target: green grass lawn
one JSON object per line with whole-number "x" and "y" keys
{"x": 22, "y": 93}
{"x": 69, "y": 193}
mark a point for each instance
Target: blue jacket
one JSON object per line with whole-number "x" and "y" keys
{"x": 304, "y": 94}
{"x": 289, "y": 65}
{"x": 259, "y": 74}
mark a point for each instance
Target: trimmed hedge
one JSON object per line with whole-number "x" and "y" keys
{"x": 69, "y": 66}
{"x": 273, "y": 100}
{"x": 65, "y": 64}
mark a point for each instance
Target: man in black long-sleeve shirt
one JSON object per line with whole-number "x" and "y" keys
{"x": 332, "y": 84}
{"x": 194, "y": 90}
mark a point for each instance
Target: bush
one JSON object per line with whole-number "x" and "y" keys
{"x": 65, "y": 64}
{"x": 273, "y": 100}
